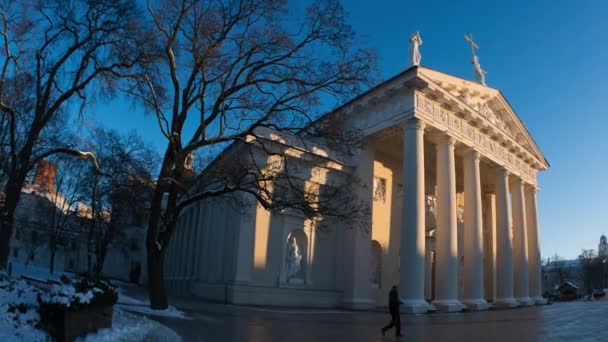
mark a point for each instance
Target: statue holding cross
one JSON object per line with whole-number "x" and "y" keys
{"x": 480, "y": 74}
{"x": 415, "y": 42}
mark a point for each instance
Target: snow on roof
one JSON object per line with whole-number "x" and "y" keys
{"x": 569, "y": 284}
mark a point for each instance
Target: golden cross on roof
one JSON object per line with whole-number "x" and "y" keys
{"x": 474, "y": 46}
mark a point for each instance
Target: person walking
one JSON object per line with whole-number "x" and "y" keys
{"x": 393, "y": 308}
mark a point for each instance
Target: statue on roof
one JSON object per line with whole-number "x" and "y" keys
{"x": 480, "y": 74}
{"x": 415, "y": 42}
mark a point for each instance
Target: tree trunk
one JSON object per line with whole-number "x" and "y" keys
{"x": 12, "y": 192}
{"x": 53, "y": 250}
{"x": 52, "y": 264}
{"x": 156, "y": 280}
{"x": 101, "y": 258}
{"x": 156, "y": 277}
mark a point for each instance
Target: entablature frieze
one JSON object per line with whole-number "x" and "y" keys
{"x": 437, "y": 116}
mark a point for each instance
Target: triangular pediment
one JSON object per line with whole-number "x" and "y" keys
{"x": 489, "y": 103}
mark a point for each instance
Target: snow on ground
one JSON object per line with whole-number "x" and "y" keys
{"x": 19, "y": 326}
{"x": 131, "y": 327}
{"x": 170, "y": 312}
{"x": 36, "y": 272}
{"x": 131, "y": 304}
{"x": 15, "y": 325}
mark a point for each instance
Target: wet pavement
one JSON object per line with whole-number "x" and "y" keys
{"x": 572, "y": 321}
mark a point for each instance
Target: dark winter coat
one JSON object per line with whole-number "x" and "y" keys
{"x": 393, "y": 300}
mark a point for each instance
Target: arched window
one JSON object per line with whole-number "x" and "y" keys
{"x": 376, "y": 269}
{"x": 296, "y": 256}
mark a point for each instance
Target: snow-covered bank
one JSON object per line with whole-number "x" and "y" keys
{"x": 18, "y": 311}
{"x": 19, "y": 315}
{"x": 131, "y": 327}
{"x": 128, "y": 303}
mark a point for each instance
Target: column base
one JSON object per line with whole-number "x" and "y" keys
{"x": 415, "y": 306}
{"x": 448, "y": 305}
{"x": 539, "y": 300}
{"x": 476, "y": 304}
{"x": 525, "y": 301}
{"x": 358, "y": 304}
{"x": 502, "y": 303}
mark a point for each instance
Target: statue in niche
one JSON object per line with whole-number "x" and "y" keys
{"x": 293, "y": 259}
{"x": 430, "y": 211}
{"x": 415, "y": 42}
{"x": 460, "y": 214}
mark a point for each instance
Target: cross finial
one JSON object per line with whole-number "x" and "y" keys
{"x": 474, "y": 46}
{"x": 480, "y": 74}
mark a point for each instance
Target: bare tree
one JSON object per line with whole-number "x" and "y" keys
{"x": 57, "y": 214}
{"x": 230, "y": 70}
{"x": 23, "y": 233}
{"x": 53, "y": 52}
{"x": 586, "y": 260}
{"x": 561, "y": 270}
{"x": 121, "y": 193}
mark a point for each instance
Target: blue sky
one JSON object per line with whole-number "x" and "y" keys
{"x": 549, "y": 58}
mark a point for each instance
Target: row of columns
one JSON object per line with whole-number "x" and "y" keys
{"x": 179, "y": 264}
{"x": 516, "y": 253}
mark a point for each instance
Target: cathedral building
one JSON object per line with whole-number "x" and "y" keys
{"x": 449, "y": 172}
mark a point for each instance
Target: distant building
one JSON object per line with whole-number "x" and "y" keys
{"x": 556, "y": 273}
{"x": 602, "y": 247}
{"x": 42, "y": 208}
{"x": 584, "y": 273}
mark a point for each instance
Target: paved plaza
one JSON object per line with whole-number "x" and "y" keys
{"x": 573, "y": 321}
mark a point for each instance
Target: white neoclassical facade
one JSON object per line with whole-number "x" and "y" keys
{"x": 449, "y": 172}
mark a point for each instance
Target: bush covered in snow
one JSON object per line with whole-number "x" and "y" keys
{"x": 18, "y": 310}
{"x": 70, "y": 309}
{"x": 85, "y": 292}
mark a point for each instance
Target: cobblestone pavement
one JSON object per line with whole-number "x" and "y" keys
{"x": 573, "y": 321}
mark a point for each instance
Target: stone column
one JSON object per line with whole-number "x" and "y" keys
{"x": 358, "y": 240}
{"x": 534, "y": 263}
{"x": 446, "y": 286}
{"x": 412, "y": 255}
{"x": 520, "y": 243}
{"x": 489, "y": 245}
{"x": 473, "y": 295}
{"x": 245, "y": 240}
{"x": 197, "y": 243}
{"x": 504, "y": 251}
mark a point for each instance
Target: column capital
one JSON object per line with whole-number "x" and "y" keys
{"x": 445, "y": 138}
{"x": 531, "y": 188}
{"x": 414, "y": 123}
{"x": 472, "y": 152}
{"x": 502, "y": 171}
{"x": 518, "y": 181}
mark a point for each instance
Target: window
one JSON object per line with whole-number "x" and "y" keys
{"x": 379, "y": 189}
